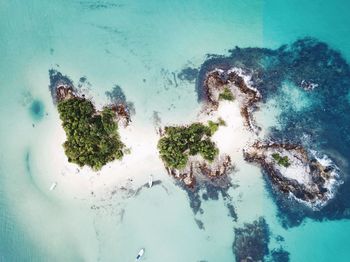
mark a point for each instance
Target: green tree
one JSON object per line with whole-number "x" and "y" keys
{"x": 92, "y": 137}
{"x": 179, "y": 143}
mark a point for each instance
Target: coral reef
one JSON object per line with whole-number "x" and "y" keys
{"x": 251, "y": 241}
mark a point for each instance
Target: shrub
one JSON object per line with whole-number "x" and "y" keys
{"x": 213, "y": 126}
{"x": 283, "y": 161}
{"x": 221, "y": 122}
{"x": 226, "y": 95}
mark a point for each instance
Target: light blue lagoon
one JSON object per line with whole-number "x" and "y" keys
{"x": 142, "y": 46}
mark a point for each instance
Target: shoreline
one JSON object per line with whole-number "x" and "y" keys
{"x": 239, "y": 132}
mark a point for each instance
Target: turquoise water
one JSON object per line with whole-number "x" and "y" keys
{"x": 140, "y": 45}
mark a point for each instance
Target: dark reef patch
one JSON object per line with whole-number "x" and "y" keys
{"x": 188, "y": 74}
{"x": 169, "y": 78}
{"x": 207, "y": 190}
{"x": 279, "y": 255}
{"x": 37, "y": 110}
{"x": 251, "y": 244}
{"x": 251, "y": 241}
{"x": 117, "y": 96}
{"x": 99, "y": 5}
{"x": 200, "y": 224}
{"x": 323, "y": 75}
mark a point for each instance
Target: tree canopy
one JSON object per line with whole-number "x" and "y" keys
{"x": 92, "y": 138}
{"x": 179, "y": 143}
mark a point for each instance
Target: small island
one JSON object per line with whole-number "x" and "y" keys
{"x": 295, "y": 171}
{"x": 197, "y": 153}
{"x": 92, "y": 136}
{"x": 229, "y": 85}
{"x": 188, "y": 150}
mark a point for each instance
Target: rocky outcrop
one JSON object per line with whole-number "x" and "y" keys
{"x": 198, "y": 171}
{"x": 122, "y": 106}
{"x": 123, "y": 114}
{"x": 294, "y": 171}
{"x": 217, "y": 80}
{"x": 290, "y": 168}
{"x": 61, "y": 88}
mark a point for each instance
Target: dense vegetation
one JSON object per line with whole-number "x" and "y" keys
{"x": 179, "y": 143}
{"x": 226, "y": 95}
{"x": 92, "y": 139}
{"x": 283, "y": 161}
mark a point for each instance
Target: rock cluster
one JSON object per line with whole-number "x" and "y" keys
{"x": 198, "y": 171}
{"x": 305, "y": 177}
{"x": 302, "y": 175}
{"x": 61, "y": 88}
{"x": 217, "y": 80}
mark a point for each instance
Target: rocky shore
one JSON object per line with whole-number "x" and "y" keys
{"x": 291, "y": 169}
{"x": 294, "y": 171}
{"x": 218, "y": 80}
{"x": 198, "y": 171}
{"x": 62, "y": 88}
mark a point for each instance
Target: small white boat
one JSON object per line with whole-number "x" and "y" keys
{"x": 140, "y": 254}
{"x": 53, "y": 186}
{"x": 150, "y": 181}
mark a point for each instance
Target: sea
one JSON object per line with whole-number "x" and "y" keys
{"x": 142, "y": 46}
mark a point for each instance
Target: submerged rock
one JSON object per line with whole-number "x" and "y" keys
{"x": 198, "y": 171}
{"x": 188, "y": 74}
{"x": 117, "y": 97}
{"x": 279, "y": 255}
{"x": 251, "y": 241}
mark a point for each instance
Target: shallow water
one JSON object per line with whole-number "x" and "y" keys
{"x": 142, "y": 46}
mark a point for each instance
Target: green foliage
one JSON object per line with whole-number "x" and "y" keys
{"x": 283, "y": 161}
{"x": 221, "y": 122}
{"x": 213, "y": 126}
{"x": 226, "y": 95}
{"x": 92, "y": 139}
{"x": 179, "y": 143}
